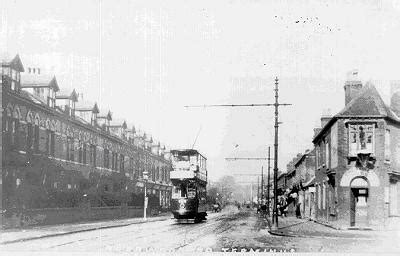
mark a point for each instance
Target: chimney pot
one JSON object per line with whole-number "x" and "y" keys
{"x": 352, "y": 86}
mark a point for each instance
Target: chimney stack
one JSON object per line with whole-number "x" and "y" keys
{"x": 316, "y": 131}
{"x": 352, "y": 86}
{"x": 395, "y": 97}
{"x": 326, "y": 116}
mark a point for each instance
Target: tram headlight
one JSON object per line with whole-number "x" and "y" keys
{"x": 182, "y": 206}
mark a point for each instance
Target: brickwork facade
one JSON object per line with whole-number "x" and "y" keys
{"x": 53, "y": 158}
{"x": 357, "y": 168}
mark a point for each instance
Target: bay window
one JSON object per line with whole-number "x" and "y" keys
{"x": 361, "y": 139}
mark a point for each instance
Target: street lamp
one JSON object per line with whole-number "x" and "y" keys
{"x": 145, "y": 178}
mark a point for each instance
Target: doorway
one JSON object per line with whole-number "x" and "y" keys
{"x": 359, "y": 202}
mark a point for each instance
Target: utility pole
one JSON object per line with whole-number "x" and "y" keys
{"x": 276, "y": 105}
{"x": 258, "y": 190}
{"x": 251, "y": 194}
{"x": 268, "y": 179}
{"x": 262, "y": 183}
{"x": 276, "y": 156}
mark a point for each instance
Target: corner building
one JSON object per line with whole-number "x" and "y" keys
{"x": 64, "y": 160}
{"x": 358, "y": 160}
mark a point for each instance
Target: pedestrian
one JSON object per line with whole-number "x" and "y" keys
{"x": 298, "y": 213}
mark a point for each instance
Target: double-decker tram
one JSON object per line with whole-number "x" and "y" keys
{"x": 189, "y": 180}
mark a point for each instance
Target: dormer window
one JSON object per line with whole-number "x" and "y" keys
{"x": 94, "y": 119}
{"x": 51, "y": 98}
{"x": 71, "y": 106}
{"x": 10, "y": 73}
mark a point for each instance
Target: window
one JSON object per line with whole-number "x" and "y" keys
{"x": 71, "y": 108}
{"x": 361, "y": 139}
{"x": 84, "y": 153}
{"x": 92, "y": 155}
{"x": 122, "y": 163}
{"x": 319, "y": 196}
{"x": 387, "y": 145}
{"x": 327, "y": 157}
{"x": 29, "y": 138}
{"x": 50, "y": 142}
{"x": 323, "y": 196}
{"x": 80, "y": 152}
{"x": 14, "y": 132}
{"x": 51, "y": 98}
{"x": 70, "y": 149}
{"x": 114, "y": 161}
{"x": 106, "y": 158}
{"x": 36, "y": 138}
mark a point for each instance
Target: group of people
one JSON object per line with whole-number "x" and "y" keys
{"x": 285, "y": 200}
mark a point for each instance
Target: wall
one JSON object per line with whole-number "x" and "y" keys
{"x": 378, "y": 178}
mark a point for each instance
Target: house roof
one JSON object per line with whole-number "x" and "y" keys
{"x": 87, "y": 106}
{"x": 31, "y": 81}
{"x": 368, "y": 103}
{"x": 67, "y": 94}
{"x": 119, "y": 123}
{"x": 14, "y": 63}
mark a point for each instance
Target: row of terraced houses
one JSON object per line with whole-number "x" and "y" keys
{"x": 65, "y": 159}
{"x": 350, "y": 178}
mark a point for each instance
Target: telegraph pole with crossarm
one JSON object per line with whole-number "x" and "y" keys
{"x": 276, "y": 126}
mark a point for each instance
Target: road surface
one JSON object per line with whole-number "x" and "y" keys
{"x": 230, "y": 230}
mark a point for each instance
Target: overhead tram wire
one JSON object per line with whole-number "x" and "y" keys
{"x": 276, "y": 127}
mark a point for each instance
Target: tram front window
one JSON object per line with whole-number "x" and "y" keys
{"x": 191, "y": 191}
{"x": 184, "y": 191}
{"x": 180, "y": 158}
{"x": 180, "y": 191}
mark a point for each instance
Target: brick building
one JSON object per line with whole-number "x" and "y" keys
{"x": 358, "y": 160}
{"x": 61, "y": 155}
{"x": 299, "y": 185}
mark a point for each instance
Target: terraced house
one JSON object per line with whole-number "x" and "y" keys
{"x": 358, "y": 160}
{"x": 64, "y": 159}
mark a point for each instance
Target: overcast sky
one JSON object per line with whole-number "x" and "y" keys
{"x": 146, "y": 61}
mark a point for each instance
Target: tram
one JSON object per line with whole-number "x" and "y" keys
{"x": 189, "y": 180}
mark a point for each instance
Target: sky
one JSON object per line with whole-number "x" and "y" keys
{"x": 146, "y": 60}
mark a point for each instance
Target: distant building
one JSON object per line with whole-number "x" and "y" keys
{"x": 358, "y": 160}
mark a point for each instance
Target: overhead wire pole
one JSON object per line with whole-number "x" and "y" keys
{"x": 276, "y": 154}
{"x": 268, "y": 179}
{"x": 262, "y": 183}
{"x": 258, "y": 191}
{"x": 276, "y": 105}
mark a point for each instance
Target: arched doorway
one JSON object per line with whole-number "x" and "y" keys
{"x": 359, "y": 202}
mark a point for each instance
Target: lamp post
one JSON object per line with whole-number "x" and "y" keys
{"x": 145, "y": 177}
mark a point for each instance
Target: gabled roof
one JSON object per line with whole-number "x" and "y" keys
{"x": 368, "y": 103}
{"x": 67, "y": 94}
{"x": 119, "y": 123}
{"x": 14, "y": 63}
{"x": 32, "y": 81}
{"x": 87, "y": 106}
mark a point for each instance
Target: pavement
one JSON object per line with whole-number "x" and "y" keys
{"x": 32, "y": 233}
{"x": 307, "y": 228}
